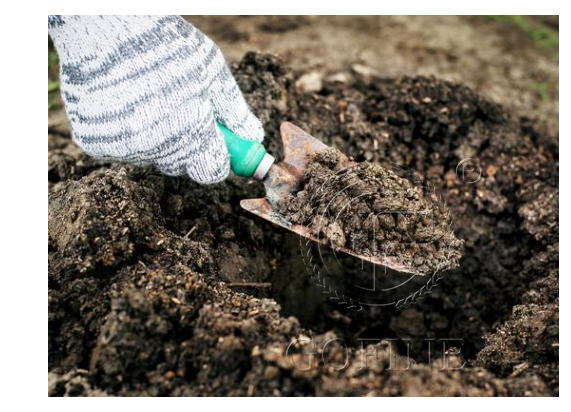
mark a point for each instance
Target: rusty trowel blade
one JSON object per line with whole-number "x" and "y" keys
{"x": 261, "y": 207}
{"x": 283, "y": 178}
{"x": 298, "y": 146}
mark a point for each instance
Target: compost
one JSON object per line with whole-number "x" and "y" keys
{"x": 373, "y": 211}
{"x": 159, "y": 286}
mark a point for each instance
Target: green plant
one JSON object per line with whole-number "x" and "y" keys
{"x": 52, "y": 59}
{"x": 52, "y": 86}
{"x": 542, "y": 88}
{"x": 534, "y": 27}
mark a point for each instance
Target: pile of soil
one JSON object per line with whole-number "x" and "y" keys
{"x": 371, "y": 210}
{"x": 155, "y": 283}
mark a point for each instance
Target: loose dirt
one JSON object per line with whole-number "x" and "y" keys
{"x": 144, "y": 270}
{"x": 374, "y": 212}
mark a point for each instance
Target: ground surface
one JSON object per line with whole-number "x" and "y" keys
{"x": 147, "y": 273}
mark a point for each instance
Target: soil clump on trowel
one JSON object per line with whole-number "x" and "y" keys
{"x": 375, "y": 212}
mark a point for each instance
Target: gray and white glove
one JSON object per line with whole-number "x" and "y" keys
{"x": 149, "y": 90}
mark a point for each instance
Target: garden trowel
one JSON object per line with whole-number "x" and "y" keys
{"x": 250, "y": 159}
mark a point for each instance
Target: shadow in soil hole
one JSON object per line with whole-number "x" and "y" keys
{"x": 326, "y": 292}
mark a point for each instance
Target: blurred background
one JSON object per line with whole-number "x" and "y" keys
{"x": 513, "y": 60}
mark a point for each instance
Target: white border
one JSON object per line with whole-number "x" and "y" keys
{"x": 23, "y": 288}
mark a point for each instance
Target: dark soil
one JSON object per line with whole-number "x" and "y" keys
{"x": 144, "y": 270}
{"x": 374, "y": 212}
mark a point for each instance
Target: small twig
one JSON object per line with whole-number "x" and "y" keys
{"x": 190, "y": 232}
{"x": 249, "y": 285}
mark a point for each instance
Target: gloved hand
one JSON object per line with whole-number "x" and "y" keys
{"x": 149, "y": 90}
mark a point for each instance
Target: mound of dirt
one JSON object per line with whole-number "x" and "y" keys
{"x": 154, "y": 282}
{"x": 373, "y": 211}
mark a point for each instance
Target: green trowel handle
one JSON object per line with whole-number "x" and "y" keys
{"x": 245, "y": 155}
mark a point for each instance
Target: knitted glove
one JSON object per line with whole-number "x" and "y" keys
{"x": 149, "y": 90}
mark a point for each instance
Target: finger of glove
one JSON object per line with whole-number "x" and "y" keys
{"x": 230, "y": 107}
{"x": 204, "y": 156}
